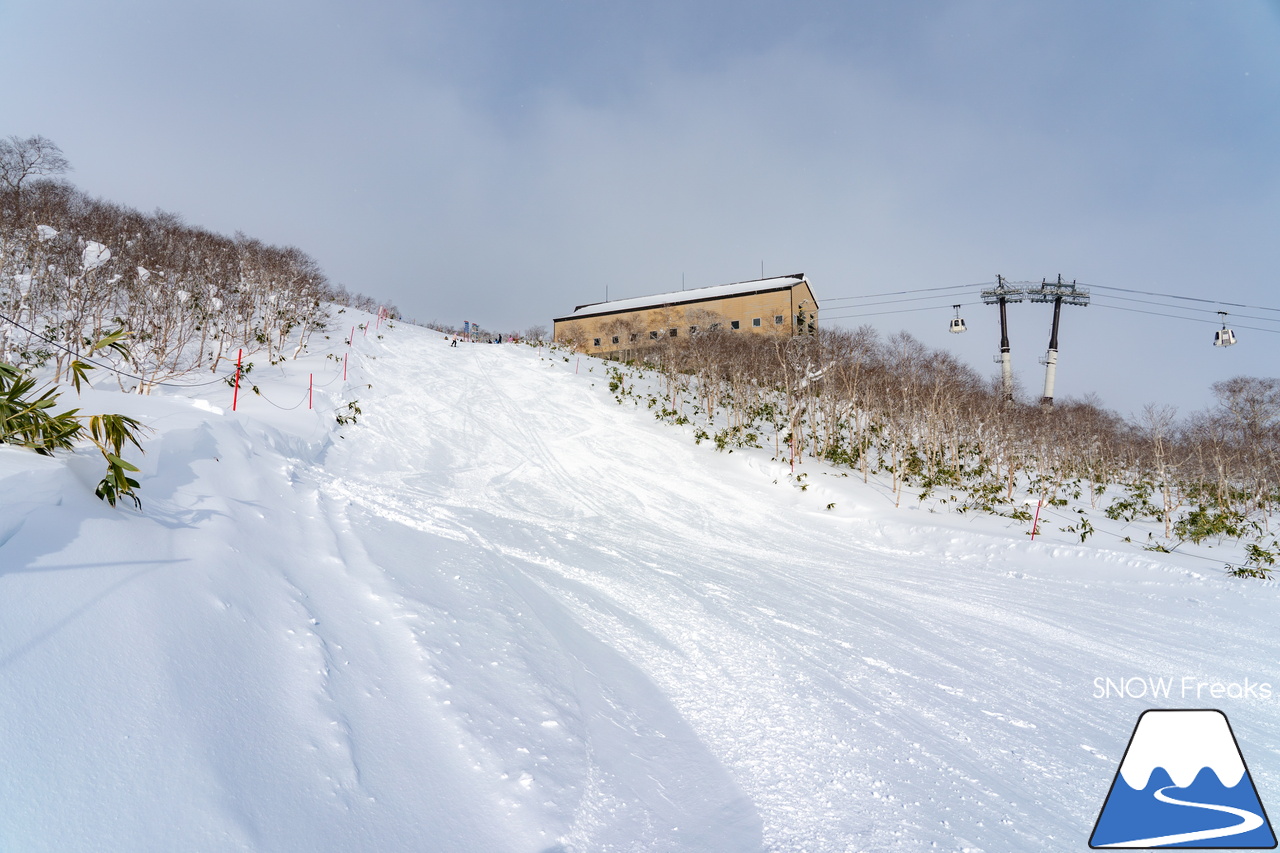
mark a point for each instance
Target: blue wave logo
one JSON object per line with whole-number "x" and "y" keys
{"x": 1183, "y": 783}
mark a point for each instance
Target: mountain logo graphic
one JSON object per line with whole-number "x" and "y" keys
{"x": 1183, "y": 783}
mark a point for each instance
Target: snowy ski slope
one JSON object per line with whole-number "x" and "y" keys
{"x": 503, "y": 613}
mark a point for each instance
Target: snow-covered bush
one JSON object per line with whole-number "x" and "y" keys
{"x": 72, "y": 266}
{"x": 921, "y": 419}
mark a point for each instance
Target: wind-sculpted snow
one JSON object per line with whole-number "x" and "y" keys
{"x": 502, "y": 613}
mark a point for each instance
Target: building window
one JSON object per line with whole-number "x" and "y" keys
{"x": 673, "y": 333}
{"x": 735, "y": 324}
{"x": 693, "y": 330}
{"x": 777, "y": 319}
{"x": 595, "y": 342}
{"x": 755, "y": 322}
{"x": 634, "y": 337}
{"x": 653, "y": 336}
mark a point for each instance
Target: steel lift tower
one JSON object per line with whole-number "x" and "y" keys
{"x": 1001, "y": 294}
{"x": 1059, "y": 293}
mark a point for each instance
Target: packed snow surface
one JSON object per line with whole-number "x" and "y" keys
{"x": 500, "y": 612}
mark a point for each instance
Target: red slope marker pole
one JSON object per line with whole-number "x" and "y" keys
{"x": 311, "y": 382}
{"x": 235, "y": 396}
{"x": 1035, "y": 524}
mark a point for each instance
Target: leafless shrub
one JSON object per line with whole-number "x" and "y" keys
{"x": 73, "y": 267}
{"x": 894, "y": 407}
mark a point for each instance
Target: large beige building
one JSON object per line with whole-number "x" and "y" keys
{"x": 781, "y": 306}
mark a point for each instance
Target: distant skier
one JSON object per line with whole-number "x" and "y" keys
{"x": 455, "y": 342}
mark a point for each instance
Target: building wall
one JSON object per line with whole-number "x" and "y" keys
{"x": 595, "y": 335}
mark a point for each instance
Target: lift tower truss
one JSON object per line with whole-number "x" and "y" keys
{"x": 1002, "y": 294}
{"x": 1059, "y": 293}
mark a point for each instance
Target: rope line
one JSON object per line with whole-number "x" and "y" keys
{"x": 227, "y": 378}
{"x": 1044, "y": 511}
{"x": 108, "y": 367}
{"x": 258, "y": 392}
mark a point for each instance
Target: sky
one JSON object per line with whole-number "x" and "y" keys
{"x": 505, "y": 162}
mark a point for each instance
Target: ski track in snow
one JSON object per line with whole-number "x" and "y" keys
{"x": 506, "y": 613}
{"x": 670, "y": 556}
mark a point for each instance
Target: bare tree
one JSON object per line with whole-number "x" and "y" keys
{"x": 1157, "y": 424}
{"x": 24, "y": 159}
{"x": 1252, "y": 404}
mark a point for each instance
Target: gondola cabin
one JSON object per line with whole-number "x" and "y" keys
{"x": 1224, "y": 337}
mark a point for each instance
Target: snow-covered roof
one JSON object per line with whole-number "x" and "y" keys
{"x": 697, "y": 294}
